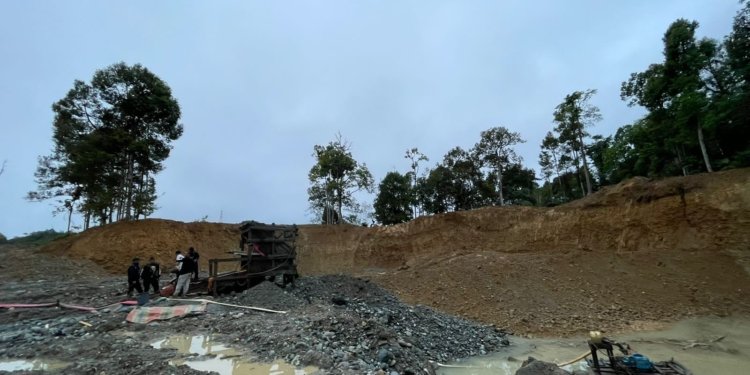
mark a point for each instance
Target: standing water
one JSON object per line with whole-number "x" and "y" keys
{"x": 213, "y": 356}
{"x": 706, "y": 346}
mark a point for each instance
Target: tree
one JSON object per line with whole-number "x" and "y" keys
{"x": 394, "y": 201}
{"x": 735, "y": 132}
{"x": 3, "y": 239}
{"x": 494, "y": 150}
{"x": 468, "y": 187}
{"x": 680, "y": 91}
{"x": 549, "y": 157}
{"x": 435, "y": 191}
{"x": 519, "y": 184}
{"x": 335, "y": 177}
{"x": 415, "y": 157}
{"x": 738, "y": 43}
{"x": 111, "y": 137}
{"x": 596, "y": 151}
{"x": 573, "y": 116}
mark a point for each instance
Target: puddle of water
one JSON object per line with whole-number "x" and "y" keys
{"x": 227, "y": 361}
{"x": 706, "y": 346}
{"x": 31, "y": 365}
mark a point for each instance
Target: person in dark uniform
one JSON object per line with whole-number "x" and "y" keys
{"x": 150, "y": 275}
{"x": 134, "y": 277}
{"x": 194, "y": 256}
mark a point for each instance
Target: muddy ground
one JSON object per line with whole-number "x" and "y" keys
{"x": 339, "y": 324}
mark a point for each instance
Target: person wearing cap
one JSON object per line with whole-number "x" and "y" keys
{"x": 134, "y": 277}
{"x": 185, "y": 267}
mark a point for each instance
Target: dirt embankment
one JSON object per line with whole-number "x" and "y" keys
{"x": 114, "y": 246}
{"x": 631, "y": 254}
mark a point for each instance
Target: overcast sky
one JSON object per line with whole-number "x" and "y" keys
{"x": 261, "y": 82}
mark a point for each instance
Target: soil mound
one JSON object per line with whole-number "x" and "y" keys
{"x": 113, "y": 246}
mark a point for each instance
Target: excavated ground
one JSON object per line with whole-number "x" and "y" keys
{"x": 338, "y": 324}
{"x": 632, "y": 256}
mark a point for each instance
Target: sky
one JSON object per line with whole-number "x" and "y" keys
{"x": 261, "y": 82}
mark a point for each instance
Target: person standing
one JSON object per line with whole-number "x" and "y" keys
{"x": 185, "y": 271}
{"x": 195, "y": 256}
{"x": 134, "y": 277}
{"x": 150, "y": 275}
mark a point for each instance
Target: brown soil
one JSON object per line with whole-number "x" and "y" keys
{"x": 630, "y": 255}
{"x": 113, "y": 246}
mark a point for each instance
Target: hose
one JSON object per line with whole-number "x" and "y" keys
{"x": 576, "y": 359}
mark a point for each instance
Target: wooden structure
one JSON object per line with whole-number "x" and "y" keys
{"x": 267, "y": 252}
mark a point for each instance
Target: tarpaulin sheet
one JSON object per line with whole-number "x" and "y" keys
{"x": 148, "y": 314}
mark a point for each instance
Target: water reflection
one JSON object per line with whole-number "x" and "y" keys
{"x": 226, "y": 361}
{"x": 31, "y": 365}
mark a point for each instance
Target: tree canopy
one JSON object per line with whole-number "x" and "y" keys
{"x": 393, "y": 204}
{"x": 495, "y": 151}
{"x": 110, "y": 138}
{"x": 334, "y": 179}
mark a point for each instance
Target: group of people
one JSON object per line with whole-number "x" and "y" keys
{"x": 186, "y": 268}
{"x": 149, "y": 274}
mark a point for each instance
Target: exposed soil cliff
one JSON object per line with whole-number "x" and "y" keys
{"x": 629, "y": 255}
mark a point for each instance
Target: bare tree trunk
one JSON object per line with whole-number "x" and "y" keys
{"x": 70, "y": 214}
{"x": 500, "y": 184}
{"x": 578, "y": 172}
{"x": 586, "y": 172}
{"x": 120, "y": 197}
{"x": 703, "y": 149}
{"x": 557, "y": 170}
{"x": 86, "y": 220}
{"x": 679, "y": 161}
{"x": 129, "y": 189}
{"x": 340, "y": 203}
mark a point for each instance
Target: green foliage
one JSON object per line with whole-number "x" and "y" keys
{"x": 37, "y": 238}
{"x": 519, "y": 185}
{"x": 734, "y": 107}
{"x": 566, "y": 154}
{"x": 572, "y": 117}
{"x": 394, "y": 200}
{"x": 698, "y": 119}
{"x": 491, "y": 172}
{"x": 111, "y": 137}
{"x": 435, "y": 192}
{"x": 495, "y": 151}
{"x": 415, "y": 157}
{"x": 334, "y": 179}
{"x": 683, "y": 95}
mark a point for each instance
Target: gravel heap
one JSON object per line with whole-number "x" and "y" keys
{"x": 340, "y": 324}
{"x": 349, "y": 325}
{"x": 270, "y": 296}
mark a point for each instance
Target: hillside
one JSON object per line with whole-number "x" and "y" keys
{"x": 628, "y": 256}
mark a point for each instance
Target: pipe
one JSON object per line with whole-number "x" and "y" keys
{"x": 576, "y": 359}
{"x": 230, "y": 305}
